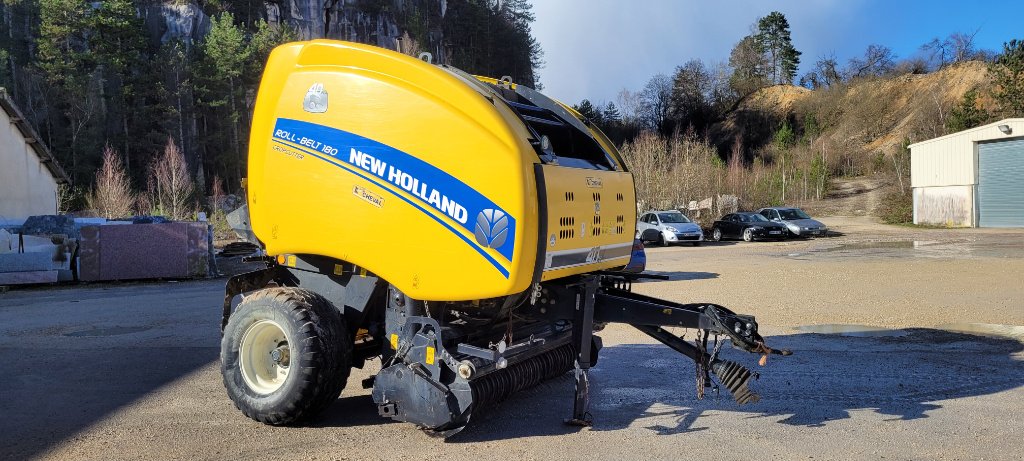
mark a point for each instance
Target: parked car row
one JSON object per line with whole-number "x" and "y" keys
{"x": 671, "y": 226}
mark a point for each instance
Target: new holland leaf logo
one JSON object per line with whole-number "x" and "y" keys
{"x": 491, "y": 228}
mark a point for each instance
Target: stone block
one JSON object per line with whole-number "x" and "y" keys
{"x": 28, "y": 277}
{"x": 25, "y": 262}
{"x": 49, "y": 225}
{"x": 144, "y": 251}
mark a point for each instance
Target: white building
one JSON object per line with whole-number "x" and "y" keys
{"x": 29, "y": 174}
{"x": 973, "y": 178}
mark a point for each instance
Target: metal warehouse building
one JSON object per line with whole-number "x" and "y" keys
{"x": 29, "y": 174}
{"x": 974, "y": 178}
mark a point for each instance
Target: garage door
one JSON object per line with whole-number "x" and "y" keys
{"x": 1001, "y": 184}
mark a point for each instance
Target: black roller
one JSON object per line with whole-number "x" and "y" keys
{"x": 495, "y": 387}
{"x": 735, "y": 378}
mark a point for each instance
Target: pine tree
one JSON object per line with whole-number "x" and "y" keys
{"x": 264, "y": 39}
{"x": 774, "y": 40}
{"x": 66, "y": 61}
{"x": 117, "y": 42}
{"x": 225, "y": 56}
{"x": 1008, "y": 78}
{"x": 588, "y": 110}
{"x": 967, "y": 114}
{"x": 611, "y": 114}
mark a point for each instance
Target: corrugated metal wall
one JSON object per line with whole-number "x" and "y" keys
{"x": 1001, "y": 184}
{"x": 950, "y": 160}
{"x": 950, "y": 206}
{"x": 944, "y": 174}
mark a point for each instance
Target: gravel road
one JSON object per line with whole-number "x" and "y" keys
{"x": 130, "y": 371}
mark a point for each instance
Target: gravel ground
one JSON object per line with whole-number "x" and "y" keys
{"x": 130, "y": 371}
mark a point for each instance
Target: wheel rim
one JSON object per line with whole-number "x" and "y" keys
{"x": 716, "y": 234}
{"x": 747, "y": 235}
{"x": 264, "y": 356}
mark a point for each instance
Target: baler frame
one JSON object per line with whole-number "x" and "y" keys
{"x": 412, "y": 341}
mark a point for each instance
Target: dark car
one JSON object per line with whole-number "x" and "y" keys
{"x": 747, "y": 226}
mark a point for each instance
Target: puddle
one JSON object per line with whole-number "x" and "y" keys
{"x": 869, "y": 246}
{"x": 987, "y": 329}
{"x": 109, "y": 331}
{"x": 850, "y": 330}
{"x": 996, "y": 248}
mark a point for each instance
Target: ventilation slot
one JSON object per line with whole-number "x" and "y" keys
{"x": 566, "y": 227}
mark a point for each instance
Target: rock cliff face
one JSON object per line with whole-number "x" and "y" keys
{"x": 350, "y": 20}
{"x": 353, "y": 20}
{"x": 172, "y": 20}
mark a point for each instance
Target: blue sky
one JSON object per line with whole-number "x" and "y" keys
{"x": 594, "y": 48}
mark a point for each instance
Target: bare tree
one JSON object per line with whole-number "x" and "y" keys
{"x": 170, "y": 186}
{"x": 937, "y": 51}
{"x": 962, "y": 46}
{"x": 112, "y": 197}
{"x": 217, "y": 194}
{"x": 957, "y": 47}
{"x": 655, "y": 101}
{"x": 735, "y": 173}
{"x": 647, "y": 157}
{"x": 408, "y": 45}
{"x": 722, "y": 95}
{"x": 749, "y": 67}
{"x": 690, "y": 103}
{"x": 878, "y": 60}
{"x": 629, "y": 107}
{"x": 824, "y": 74}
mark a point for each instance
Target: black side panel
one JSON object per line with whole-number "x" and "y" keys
{"x": 354, "y": 295}
{"x": 242, "y": 283}
{"x": 405, "y": 395}
{"x": 542, "y": 223}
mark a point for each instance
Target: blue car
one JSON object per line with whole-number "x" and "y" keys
{"x": 637, "y": 259}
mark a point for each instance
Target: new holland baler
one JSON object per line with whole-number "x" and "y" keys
{"x": 468, "y": 232}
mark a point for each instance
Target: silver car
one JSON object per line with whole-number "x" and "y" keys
{"x": 798, "y": 222}
{"x": 667, "y": 227}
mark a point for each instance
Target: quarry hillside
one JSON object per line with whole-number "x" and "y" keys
{"x": 863, "y": 117}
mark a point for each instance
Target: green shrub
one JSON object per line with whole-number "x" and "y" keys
{"x": 897, "y": 208}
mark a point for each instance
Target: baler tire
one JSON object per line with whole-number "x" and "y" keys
{"x": 319, "y": 349}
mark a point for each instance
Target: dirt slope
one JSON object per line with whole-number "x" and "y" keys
{"x": 857, "y": 196}
{"x": 868, "y": 115}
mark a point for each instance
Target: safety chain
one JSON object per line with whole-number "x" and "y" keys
{"x": 699, "y": 372}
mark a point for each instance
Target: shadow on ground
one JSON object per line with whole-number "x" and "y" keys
{"x": 901, "y": 374}
{"x": 53, "y": 394}
{"x": 900, "y": 377}
{"x": 678, "y": 275}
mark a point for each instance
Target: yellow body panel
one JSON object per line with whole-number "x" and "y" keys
{"x": 591, "y": 220}
{"x": 393, "y": 164}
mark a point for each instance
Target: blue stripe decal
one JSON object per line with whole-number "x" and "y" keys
{"x": 432, "y": 189}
